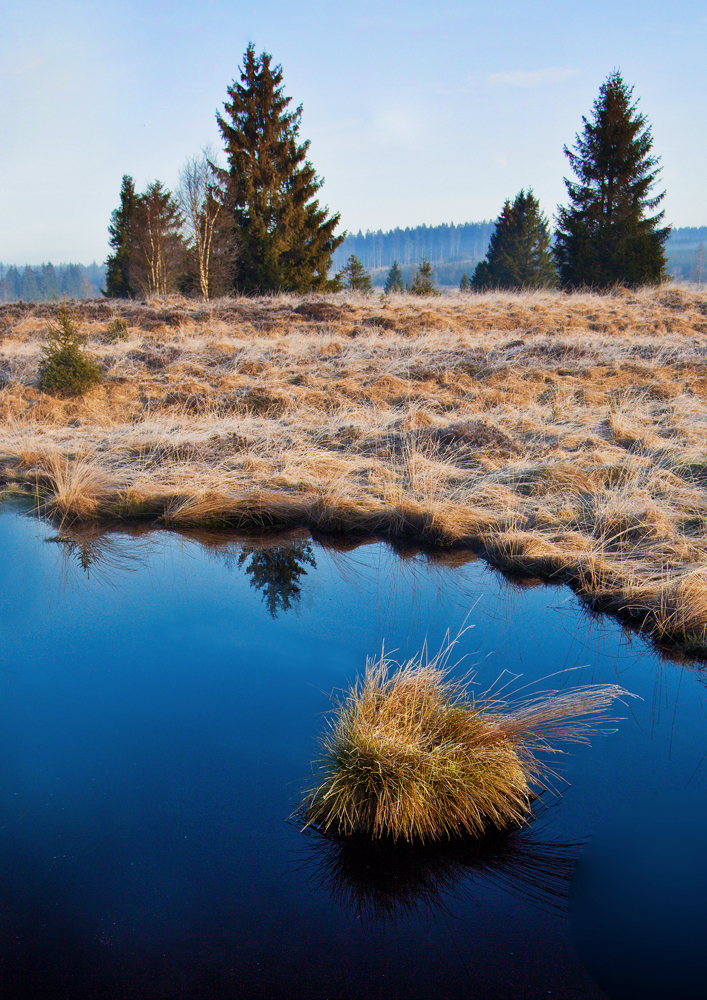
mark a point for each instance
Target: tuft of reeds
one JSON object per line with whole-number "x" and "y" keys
{"x": 75, "y": 488}
{"x": 411, "y": 753}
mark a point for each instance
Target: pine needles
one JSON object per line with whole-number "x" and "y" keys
{"x": 412, "y": 754}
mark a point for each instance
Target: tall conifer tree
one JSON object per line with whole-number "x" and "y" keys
{"x": 607, "y": 236}
{"x": 118, "y": 281}
{"x": 284, "y": 238}
{"x": 519, "y": 253}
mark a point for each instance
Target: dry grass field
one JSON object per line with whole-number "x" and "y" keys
{"x": 560, "y": 436}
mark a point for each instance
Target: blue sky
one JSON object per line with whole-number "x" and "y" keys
{"x": 417, "y": 112}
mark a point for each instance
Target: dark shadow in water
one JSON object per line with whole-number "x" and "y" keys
{"x": 637, "y": 899}
{"x": 393, "y": 881}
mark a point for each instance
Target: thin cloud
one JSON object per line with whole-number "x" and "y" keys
{"x": 21, "y": 63}
{"x": 533, "y": 77}
{"x": 395, "y": 126}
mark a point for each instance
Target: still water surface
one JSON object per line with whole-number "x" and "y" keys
{"x": 160, "y": 701}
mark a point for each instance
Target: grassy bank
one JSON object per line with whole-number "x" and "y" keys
{"x": 559, "y": 436}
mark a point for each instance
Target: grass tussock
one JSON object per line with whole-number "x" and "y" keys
{"x": 411, "y": 754}
{"x": 75, "y": 489}
{"x": 550, "y": 433}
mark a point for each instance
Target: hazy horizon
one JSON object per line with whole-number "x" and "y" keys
{"x": 415, "y": 115}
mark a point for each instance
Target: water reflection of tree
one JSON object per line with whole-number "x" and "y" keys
{"x": 276, "y": 571}
{"x": 386, "y": 880}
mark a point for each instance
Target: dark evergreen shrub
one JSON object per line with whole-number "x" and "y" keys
{"x": 66, "y": 370}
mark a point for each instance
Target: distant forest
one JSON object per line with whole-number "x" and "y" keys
{"x": 686, "y": 251}
{"x": 47, "y": 283}
{"x": 452, "y": 250}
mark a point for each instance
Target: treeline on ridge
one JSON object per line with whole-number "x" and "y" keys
{"x": 685, "y": 252}
{"x": 378, "y": 249}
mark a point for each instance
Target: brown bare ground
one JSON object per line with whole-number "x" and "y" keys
{"x": 560, "y": 436}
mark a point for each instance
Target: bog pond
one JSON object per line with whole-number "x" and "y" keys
{"x": 161, "y": 698}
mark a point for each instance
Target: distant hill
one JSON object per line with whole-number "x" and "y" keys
{"x": 46, "y": 283}
{"x": 456, "y": 249}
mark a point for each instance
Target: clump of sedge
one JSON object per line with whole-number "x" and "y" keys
{"x": 410, "y": 753}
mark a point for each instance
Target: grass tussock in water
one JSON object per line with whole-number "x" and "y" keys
{"x": 412, "y": 754}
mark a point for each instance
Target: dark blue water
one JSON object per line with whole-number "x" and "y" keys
{"x": 160, "y": 702}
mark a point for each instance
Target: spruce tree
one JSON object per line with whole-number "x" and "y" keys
{"x": 284, "y": 239}
{"x": 118, "y": 281}
{"x": 607, "y": 236}
{"x": 394, "y": 282}
{"x": 65, "y": 369}
{"x": 354, "y": 276}
{"x": 519, "y": 254}
{"x": 423, "y": 280}
{"x": 464, "y": 284}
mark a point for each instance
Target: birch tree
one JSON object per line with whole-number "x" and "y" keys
{"x": 201, "y": 205}
{"x": 158, "y": 249}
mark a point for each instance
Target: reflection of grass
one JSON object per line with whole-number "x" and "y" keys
{"x": 384, "y": 879}
{"x": 411, "y": 754}
{"x": 100, "y": 552}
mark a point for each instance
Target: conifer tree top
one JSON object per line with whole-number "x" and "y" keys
{"x": 284, "y": 238}
{"x": 607, "y": 234}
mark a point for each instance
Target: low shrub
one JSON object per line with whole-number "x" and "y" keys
{"x": 66, "y": 370}
{"x": 118, "y": 330}
{"x": 412, "y": 754}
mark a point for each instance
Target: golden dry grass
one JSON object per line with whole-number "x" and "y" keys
{"x": 411, "y": 754}
{"x": 558, "y": 435}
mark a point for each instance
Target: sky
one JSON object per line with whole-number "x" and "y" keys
{"x": 417, "y": 112}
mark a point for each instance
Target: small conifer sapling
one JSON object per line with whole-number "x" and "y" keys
{"x": 65, "y": 369}
{"x": 394, "y": 281}
{"x": 423, "y": 280}
{"x": 354, "y": 277}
